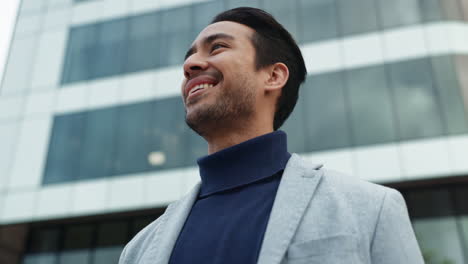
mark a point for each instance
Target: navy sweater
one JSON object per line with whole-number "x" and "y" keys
{"x": 229, "y": 218}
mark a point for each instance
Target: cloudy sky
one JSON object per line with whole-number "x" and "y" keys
{"x": 8, "y": 11}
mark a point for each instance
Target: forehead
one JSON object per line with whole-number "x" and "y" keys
{"x": 238, "y": 31}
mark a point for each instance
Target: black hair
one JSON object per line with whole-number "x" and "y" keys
{"x": 272, "y": 43}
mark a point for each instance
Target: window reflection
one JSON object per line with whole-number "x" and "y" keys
{"x": 161, "y": 38}
{"x": 404, "y": 100}
{"x": 371, "y": 109}
{"x": 399, "y": 12}
{"x": 317, "y": 20}
{"x": 326, "y": 111}
{"x": 352, "y": 18}
{"x": 439, "y": 240}
{"x": 417, "y": 106}
{"x": 82, "y": 243}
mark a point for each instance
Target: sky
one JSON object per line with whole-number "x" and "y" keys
{"x": 8, "y": 10}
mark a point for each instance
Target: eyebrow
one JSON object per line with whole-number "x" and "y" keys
{"x": 206, "y": 41}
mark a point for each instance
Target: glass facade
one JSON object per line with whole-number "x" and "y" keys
{"x": 439, "y": 217}
{"x": 83, "y": 242}
{"x": 161, "y": 38}
{"x": 405, "y": 100}
{"x": 121, "y": 140}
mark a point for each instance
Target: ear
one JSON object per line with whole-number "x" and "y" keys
{"x": 277, "y": 78}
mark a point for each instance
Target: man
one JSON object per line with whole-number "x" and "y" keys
{"x": 256, "y": 202}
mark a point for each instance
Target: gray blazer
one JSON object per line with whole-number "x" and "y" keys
{"x": 318, "y": 216}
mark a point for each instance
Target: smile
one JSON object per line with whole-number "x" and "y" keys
{"x": 200, "y": 87}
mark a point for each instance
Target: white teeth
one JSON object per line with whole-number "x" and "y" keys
{"x": 201, "y": 86}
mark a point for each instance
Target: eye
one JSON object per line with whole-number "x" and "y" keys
{"x": 217, "y": 46}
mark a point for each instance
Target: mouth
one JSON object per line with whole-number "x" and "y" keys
{"x": 199, "y": 85}
{"x": 198, "y": 89}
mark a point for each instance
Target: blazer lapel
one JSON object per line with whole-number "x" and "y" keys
{"x": 169, "y": 229}
{"x": 295, "y": 191}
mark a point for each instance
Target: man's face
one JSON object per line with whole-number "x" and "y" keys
{"x": 220, "y": 82}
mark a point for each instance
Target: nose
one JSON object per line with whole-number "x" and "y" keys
{"x": 194, "y": 65}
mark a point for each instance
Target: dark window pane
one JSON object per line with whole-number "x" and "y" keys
{"x": 112, "y": 234}
{"x": 98, "y": 144}
{"x": 461, "y": 198}
{"x": 44, "y": 240}
{"x": 133, "y": 138}
{"x": 177, "y": 34}
{"x": 326, "y": 111}
{"x": 76, "y": 256}
{"x": 64, "y": 148}
{"x": 40, "y": 258}
{"x": 196, "y": 147}
{"x": 238, "y": 3}
{"x": 110, "y": 48}
{"x": 353, "y": 18}
{"x": 317, "y": 20}
{"x": 141, "y": 223}
{"x": 431, "y": 10}
{"x": 453, "y": 9}
{"x": 78, "y": 237}
{"x": 372, "y": 119}
{"x": 80, "y": 54}
{"x": 417, "y": 103}
{"x": 295, "y": 128}
{"x": 439, "y": 240}
{"x": 448, "y": 89}
{"x": 204, "y": 12}
{"x": 107, "y": 255}
{"x": 168, "y": 129}
{"x": 143, "y": 43}
{"x": 285, "y": 12}
{"x": 429, "y": 203}
{"x": 399, "y": 12}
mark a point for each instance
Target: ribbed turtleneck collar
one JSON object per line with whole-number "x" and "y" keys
{"x": 244, "y": 163}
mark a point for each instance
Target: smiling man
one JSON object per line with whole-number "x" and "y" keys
{"x": 256, "y": 202}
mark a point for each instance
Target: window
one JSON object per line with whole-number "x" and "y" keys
{"x": 177, "y": 35}
{"x": 110, "y": 49}
{"x": 82, "y": 242}
{"x": 238, "y": 3}
{"x": 371, "y": 109}
{"x": 399, "y": 12}
{"x": 97, "y": 151}
{"x": 203, "y": 13}
{"x": 416, "y": 101}
{"x": 77, "y": 244}
{"x": 143, "y": 43}
{"x": 352, "y": 18}
{"x": 449, "y": 91}
{"x": 111, "y": 238}
{"x": 326, "y": 111}
{"x": 295, "y": 127}
{"x": 80, "y": 54}
{"x": 435, "y": 225}
{"x": 285, "y": 12}
{"x": 134, "y": 138}
{"x": 64, "y": 148}
{"x": 317, "y": 20}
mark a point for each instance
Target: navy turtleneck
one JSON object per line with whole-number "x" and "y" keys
{"x": 229, "y": 218}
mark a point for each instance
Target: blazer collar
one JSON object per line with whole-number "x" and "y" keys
{"x": 170, "y": 227}
{"x": 294, "y": 194}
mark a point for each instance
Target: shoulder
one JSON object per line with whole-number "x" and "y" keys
{"x": 345, "y": 201}
{"x": 343, "y": 184}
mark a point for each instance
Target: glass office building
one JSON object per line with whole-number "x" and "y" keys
{"x": 93, "y": 144}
